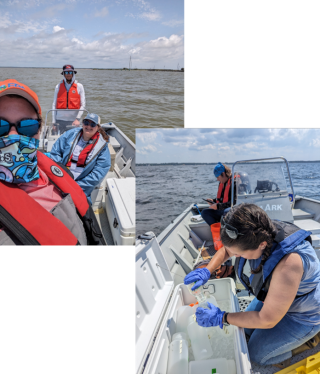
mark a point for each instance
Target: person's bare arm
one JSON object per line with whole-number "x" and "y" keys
{"x": 219, "y": 258}
{"x": 283, "y": 289}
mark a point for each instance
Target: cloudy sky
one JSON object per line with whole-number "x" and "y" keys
{"x": 97, "y": 33}
{"x": 226, "y": 145}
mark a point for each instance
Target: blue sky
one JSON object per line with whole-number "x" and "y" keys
{"x": 50, "y": 33}
{"x": 226, "y": 145}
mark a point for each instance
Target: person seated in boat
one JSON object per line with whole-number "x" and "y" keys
{"x": 85, "y": 152}
{"x": 68, "y": 94}
{"x": 222, "y": 202}
{"x": 40, "y": 203}
{"x": 284, "y": 317}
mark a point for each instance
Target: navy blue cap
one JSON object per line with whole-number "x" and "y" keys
{"x": 218, "y": 169}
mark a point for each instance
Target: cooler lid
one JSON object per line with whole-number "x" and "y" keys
{"x": 154, "y": 286}
{"x": 123, "y": 196}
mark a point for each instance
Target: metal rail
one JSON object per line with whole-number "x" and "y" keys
{"x": 263, "y": 159}
{"x": 58, "y": 110}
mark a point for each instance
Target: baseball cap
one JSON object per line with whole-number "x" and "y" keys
{"x": 68, "y": 68}
{"x": 218, "y": 169}
{"x": 93, "y": 117}
{"x": 13, "y": 87}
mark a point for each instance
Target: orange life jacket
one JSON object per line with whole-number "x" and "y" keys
{"x": 34, "y": 225}
{"x": 68, "y": 100}
{"x": 226, "y": 191}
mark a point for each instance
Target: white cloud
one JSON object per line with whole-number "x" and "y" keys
{"x": 102, "y": 12}
{"x": 151, "y": 16}
{"x": 315, "y": 143}
{"x": 173, "y": 23}
{"x": 147, "y": 149}
{"x": 77, "y": 41}
{"x": 146, "y": 137}
{"x": 57, "y": 28}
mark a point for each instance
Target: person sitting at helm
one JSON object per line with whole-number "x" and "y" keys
{"x": 85, "y": 152}
{"x": 284, "y": 317}
{"x": 40, "y": 203}
{"x": 222, "y": 202}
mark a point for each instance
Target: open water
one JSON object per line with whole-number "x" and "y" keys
{"x": 131, "y": 99}
{"x": 164, "y": 191}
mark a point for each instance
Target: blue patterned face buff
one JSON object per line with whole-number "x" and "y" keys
{"x": 18, "y": 159}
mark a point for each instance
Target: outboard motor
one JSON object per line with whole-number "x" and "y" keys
{"x": 265, "y": 186}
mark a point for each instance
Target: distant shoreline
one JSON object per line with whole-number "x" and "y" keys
{"x": 214, "y": 163}
{"x": 125, "y": 69}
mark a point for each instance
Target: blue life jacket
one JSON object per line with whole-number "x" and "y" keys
{"x": 285, "y": 242}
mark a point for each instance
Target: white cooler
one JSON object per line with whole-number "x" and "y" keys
{"x": 120, "y": 208}
{"x": 156, "y": 306}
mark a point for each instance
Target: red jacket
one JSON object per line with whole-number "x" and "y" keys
{"x": 34, "y": 225}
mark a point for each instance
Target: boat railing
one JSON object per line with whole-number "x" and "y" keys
{"x": 264, "y": 159}
{"x": 45, "y": 131}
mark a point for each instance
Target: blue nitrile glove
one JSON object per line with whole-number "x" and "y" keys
{"x": 200, "y": 276}
{"x": 209, "y": 317}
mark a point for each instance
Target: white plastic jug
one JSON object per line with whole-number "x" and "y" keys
{"x": 183, "y": 315}
{"x": 200, "y": 342}
{"x": 178, "y": 357}
{"x": 221, "y": 366}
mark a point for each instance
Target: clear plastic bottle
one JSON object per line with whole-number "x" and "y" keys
{"x": 178, "y": 357}
{"x": 198, "y": 293}
{"x": 200, "y": 342}
{"x": 210, "y": 299}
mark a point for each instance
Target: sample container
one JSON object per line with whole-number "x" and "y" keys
{"x": 178, "y": 357}
{"x": 199, "y": 338}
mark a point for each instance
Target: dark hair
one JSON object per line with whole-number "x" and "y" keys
{"x": 256, "y": 227}
{"x": 228, "y": 170}
{"x": 103, "y": 133}
{"x": 14, "y": 96}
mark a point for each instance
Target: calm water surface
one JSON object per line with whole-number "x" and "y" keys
{"x": 130, "y": 99}
{"x": 163, "y": 191}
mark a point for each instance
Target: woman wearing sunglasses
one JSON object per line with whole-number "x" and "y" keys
{"x": 39, "y": 202}
{"x": 85, "y": 152}
{"x": 284, "y": 317}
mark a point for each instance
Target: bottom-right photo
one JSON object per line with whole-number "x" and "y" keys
{"x": 227, "y": 251}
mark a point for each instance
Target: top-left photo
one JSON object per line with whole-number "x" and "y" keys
{"x": 72, "y": 92}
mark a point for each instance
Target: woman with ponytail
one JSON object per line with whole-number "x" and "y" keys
{"x": 284, "y": 317}
{"x": 84, "y": 151}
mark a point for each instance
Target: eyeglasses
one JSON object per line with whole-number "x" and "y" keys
{"x": 68, "y": 72}
{"x": 26, "y": 127}
{"x": 87, "y": 122}
{"x": 230, "y": 230}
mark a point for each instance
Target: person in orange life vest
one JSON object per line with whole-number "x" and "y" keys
{"x": 69, "y": 94}
{"x": 85, "y": 152}
{"x": 222, "y": 202}
{"x": 40, "y": 204}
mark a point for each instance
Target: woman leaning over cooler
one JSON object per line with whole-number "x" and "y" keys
{"x": 285, "y": 274}
{"x": 85, "y": 152}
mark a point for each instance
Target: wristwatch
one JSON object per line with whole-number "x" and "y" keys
{"x": 226, "y": 323}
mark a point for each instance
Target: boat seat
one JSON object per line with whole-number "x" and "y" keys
{"x": 114, "y": 142}
{"x": 309, "y": 225}
{"x": 299, "y": 214}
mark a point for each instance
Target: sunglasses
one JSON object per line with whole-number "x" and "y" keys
{"x": 87, "y": 122}
{"x": 68, "y": 72}
{"x": 230, "y": 230}
{"x": 26, "y": 127}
